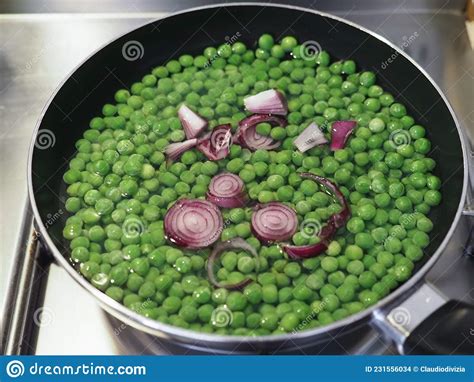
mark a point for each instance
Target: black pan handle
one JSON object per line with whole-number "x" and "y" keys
{"x": 448, "y": 330}
{"x": 427, "y": 323}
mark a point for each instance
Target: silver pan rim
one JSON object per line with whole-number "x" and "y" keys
{"x": 187, "y": 336}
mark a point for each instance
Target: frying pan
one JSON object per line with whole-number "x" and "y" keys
{"x": 93, "y": 83}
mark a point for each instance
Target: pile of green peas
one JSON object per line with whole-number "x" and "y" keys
{"x": 120, "y": 188}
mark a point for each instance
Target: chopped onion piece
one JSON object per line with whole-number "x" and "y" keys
{"x": 274, "y": 222}
{"x": 193, "y": 223}
{"x": 193, "y": 124}
{"x": 226, "y": 190}
{"x": 247, "y": 136}
{"x": 236, "y": 243}
{"x": 216, "y": 144}
{"x": 310, "y": 137}
{"x": 174, "y": 150}
{"x": 341, "y": 130}
{"x": 267, "y": 102}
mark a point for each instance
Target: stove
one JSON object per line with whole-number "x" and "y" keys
{"x": 51, "y": 314}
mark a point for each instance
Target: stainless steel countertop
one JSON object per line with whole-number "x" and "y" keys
{"x": 36, "y": 53}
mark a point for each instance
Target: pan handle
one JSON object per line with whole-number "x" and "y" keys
{"x": 428, "y": 323}
{"x": 24, "y": 291}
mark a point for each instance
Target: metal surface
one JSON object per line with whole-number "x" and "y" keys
{"x": 455, "y": 76}
{"x": 125, "y": 6}
{"x": 35, "y": 55}
{"x": 25, "y": 292}
{"x": 199, "y": 17}
{"x": 400, "y": 321}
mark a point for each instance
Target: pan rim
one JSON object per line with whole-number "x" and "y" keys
{"x": 159, "y": 329}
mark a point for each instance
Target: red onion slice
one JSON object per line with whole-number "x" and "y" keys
{"x": 339, "y": 218}
{"x": 233, "y": 202}
{"x": 310, "y": 137}
{"x": 247, "y": 136}
{"x": 193, "y": 223}
{"x": 174, "y": 150}
{"x": 192, "y": 123}
{"x": 341, "y": 130}
{"x": 226, "y": 190}
{"x": 305, "y": 251}
{"x": 267, "y": 102}
{"x": 216, "y": 144}
{"x": 236, "y": 243}
{"x": 326, "y": 234}
{"x": 274, "y": 222}
{"x": 255, "y": 119}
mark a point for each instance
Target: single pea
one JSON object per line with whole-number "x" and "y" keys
{"x": 236, "y": 301}
{"x": 275, "y": 182}
{"x": 285, "y": 193}
{"x": 265, "y": 196}
{"x": 376, "y": 125}
{"x": 392, "y": 244}
{"x": 329, "y": 264}
{"x": 278, "y": 133}
{"x": 253, "y": 293}
{"x": 269, "y": 293}
{"x": 263, "y": 128}
{"x": 345, "y": 293}
{"x": 202, "y": 295}
{"x": 171, "y": 304}
{"x": 265, "y": 42}
{"x": 235, "y": 165}
{"x": 288, "y": 43}
{"x": 289, "y": 322}
{"x": 353, "y": 252}
{"x": 368, "y": 298}
{"x": 367, "y": 79}
{"x": 432, "y": 197}
{"x": 367, "y": 279}
{"x": 292, "y": 270}
{"x": 115, "y": 293}
{"x": 366, "y": 212}
{"x": 397, "y": 110}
